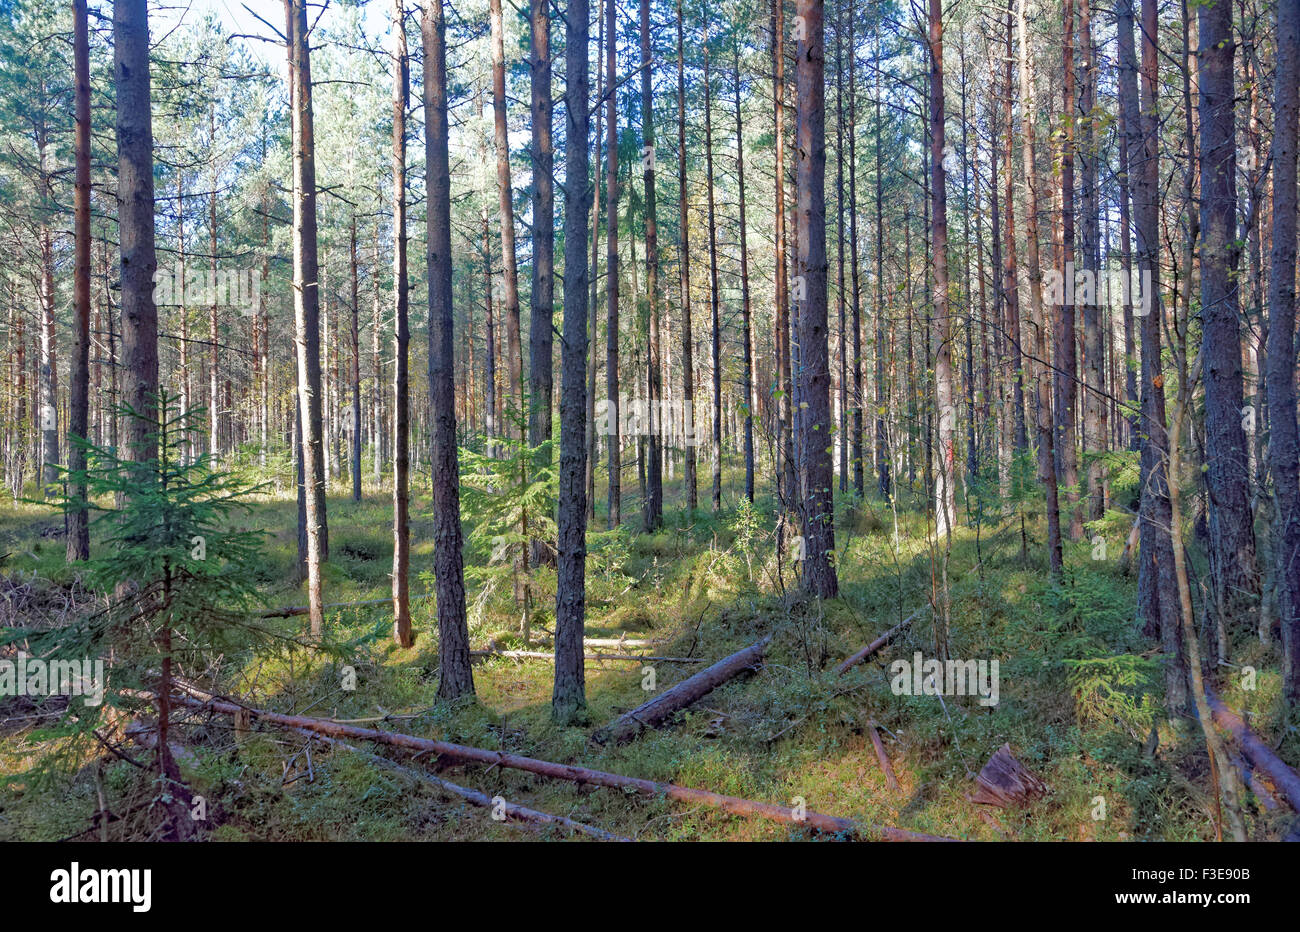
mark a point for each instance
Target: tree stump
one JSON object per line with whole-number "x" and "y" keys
{"x": 1004, "y": 781}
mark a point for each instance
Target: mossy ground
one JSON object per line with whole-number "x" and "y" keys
{"x": 704, "y": 586}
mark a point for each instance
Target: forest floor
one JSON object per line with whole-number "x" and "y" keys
{"x": 1080, "y": 691}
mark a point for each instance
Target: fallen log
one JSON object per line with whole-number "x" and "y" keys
{"x": 510, "y": 810}
{"x": 459, "y": 752}
{"x": 653, "y": 713}
{"x": 544, "y": 655}
{"x": 1257, "y": 752}
{"x": 875, "y": 645}
{"x": 890, "y": 780}
{"x": 619, "y": 642}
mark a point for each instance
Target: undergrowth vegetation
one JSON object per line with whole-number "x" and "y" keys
{"x": 1080, "y": 698}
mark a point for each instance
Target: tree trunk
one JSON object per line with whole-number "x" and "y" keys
{"x": 540, "y": 341}
{"x": 1065, "y": 355}
{"x": 747, "y": 378}
{"x": 716, "y": 326}
{"x": 688, "y": 370}
{"x": 1046, "y": 462}
{"x": 593, "y": 277}
{"x": 1095, "y": 416}
{"x": 814, "y": 373}
{"x": 786, "y": 480}
{"x": 78, "y": 542}
{"x": 1128, "y": 137}
{"x": 1010, "y": 285}
{"x": 1157, "y": 587}
{"x": 614, "y": 435}
{"x": 568, "y": 700}
{"x": 855, "y": 437}
{"x": 882, "y": 435}
{"x": 455, "y": 678}
{"x": 1232, "y": 534}
{"x": 307, "y": 306}
{"x": 355, "y": 334}
{"x": 945, "y": 508}
{"x": 136, "y": 226}
{"x": 1284, "y": 442}
{"x": 505, "y": 194}
{"x": 654, "y": 499}
{"x": 401, "y": 342}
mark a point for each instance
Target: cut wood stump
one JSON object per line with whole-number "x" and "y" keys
{"x": 655, "y": 712}
{"x": 1004, "y": 781}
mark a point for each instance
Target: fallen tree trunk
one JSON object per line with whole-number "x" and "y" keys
{"x": 510, "y": 810}
{"x": 890, "y": 780}
{"x": 653, "y": 713}
{"x": 544, "y": 655}
{"x": 619, "y": 642}
{"x": 1257, "y": 752}
{"x": 459, "y": 752}
{"x": 875, "y": 645}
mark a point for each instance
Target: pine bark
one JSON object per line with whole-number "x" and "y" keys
{"x": 307, "y": 308}
{"x": 540, "y": 341}
{"x": 614, "y": 436}
{"x": 1232, "y": 535}
{"x": 455, "y": 678}
{"x": 568, "y": 700}
{"x": 1284, "y": 442}
{"x": 78, "y": 540}
{"x": 688, "y": 370}
{"x": 819, "y": 578}
{"x": 401, "y": 347}
{"x": 505, "y": 200}
{"x": 654, "y": 499}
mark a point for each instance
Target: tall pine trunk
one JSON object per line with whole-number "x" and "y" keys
{"x": 615, "y": 433}
{"x": 688, "y": 370}
{"x": 747, "y": 378}
{"x": 945, "y": 508}
{"x": 1284, "y": 443}
{"x": 1232, "y": 534}
{"x": 654, "y": 499}
{"x": 307, "y": 308}
{"x": 455, "y": 679}
{"x": 401, "y": 344}
{"x": 78, "y": 543}
{"x": 540, "y": 340}
{"x": 505, "y": 197}
{"x": 819, "y": 577}
{"x": 568, "y": 700}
